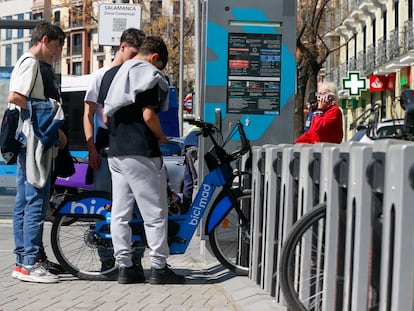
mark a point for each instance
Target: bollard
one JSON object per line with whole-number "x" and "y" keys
{"x": 397, "y": 262}
{"x": 330, "y": 190}
{"x": 257, "y": 214}
{"x": 358, "y": 233}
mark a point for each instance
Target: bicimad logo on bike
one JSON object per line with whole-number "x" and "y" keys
{"x": 78, "y": 207}
{"x": 202, "y": 204}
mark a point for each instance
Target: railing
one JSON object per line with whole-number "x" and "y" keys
{"x": 352, "y": 64}
{"x": 370, "y": 55}
{"x": 362, "y": 61}
{"x": 394, "y": 49}
{"x": 408, "y": 36}
{"x": 381, "y": 52}
{"x": 374, "y": 184}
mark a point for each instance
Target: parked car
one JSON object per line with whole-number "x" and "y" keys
{"x": 385, "y": 129}
{"x": 173, "y": 155}
{"x": 7, "y": 176}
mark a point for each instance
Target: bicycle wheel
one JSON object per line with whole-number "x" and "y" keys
{"x": 82, "y": 242}
{"x": 230, "y": 241}
{"x": 302, "y": 261}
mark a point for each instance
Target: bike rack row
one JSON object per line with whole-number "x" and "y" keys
{"x": 369, "y": 192}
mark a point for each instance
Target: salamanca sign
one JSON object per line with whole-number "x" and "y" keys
{"x": 114, "y": 19}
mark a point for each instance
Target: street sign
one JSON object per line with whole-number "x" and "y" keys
{"x": 354, "y": 83}
{"x": 350, "y": 103}
{"x": 114, "y": 19}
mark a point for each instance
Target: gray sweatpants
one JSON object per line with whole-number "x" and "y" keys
{"x": 140, "y": 179}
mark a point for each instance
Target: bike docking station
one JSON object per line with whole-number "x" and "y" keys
{"x": 248, "y": 73}
{"x": 335, "y": 224}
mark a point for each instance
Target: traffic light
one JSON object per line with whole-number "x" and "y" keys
{"x": 299, "y": 77}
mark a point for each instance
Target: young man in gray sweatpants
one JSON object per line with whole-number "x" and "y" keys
{"x": 135, "y": 160}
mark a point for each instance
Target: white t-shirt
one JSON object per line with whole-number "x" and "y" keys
{"x": 26, "y": 76}
{"x": 93, "y": 91}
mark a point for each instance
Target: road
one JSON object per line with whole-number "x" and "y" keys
{"x": 6, "y": 204}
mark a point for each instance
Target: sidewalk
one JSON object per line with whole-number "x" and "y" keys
{"x": 208, "y": 287}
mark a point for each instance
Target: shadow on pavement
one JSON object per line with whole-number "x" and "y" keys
{"x": 212, "y": 275}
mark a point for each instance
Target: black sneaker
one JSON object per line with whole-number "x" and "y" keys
{"x": 107, "y": 264}
{"x": 131, "y": 275}
{"x": 165, "y": 276}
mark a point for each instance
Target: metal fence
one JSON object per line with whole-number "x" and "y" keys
{"x": 369, "y": 194}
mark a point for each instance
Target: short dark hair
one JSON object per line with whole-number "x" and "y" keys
{"x": 155, "y": 44}
{"x": 52, "y": 32}
{"x": 133, "y": 37}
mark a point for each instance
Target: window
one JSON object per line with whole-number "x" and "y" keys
{"x": 20, "y": 31}
{"x": 77, "y": 69}
{"x": 77, "y": 44}
{"x": 396, "y": 15}
{"x": 76, "y": 16}
{"x": 374, "y": 31}
{"x": 8, "y": 31}
{"x": 38, "y": 15}
{"x": 156, "y": 8}
{"x": 176, "y": 8}
{"x": 56, "y": 17}
{"x": 8, "y": 55}
{"x": 19, "y": 49}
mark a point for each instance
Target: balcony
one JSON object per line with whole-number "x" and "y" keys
{"x": 362, "y": 61}
{"x": 388, "y": 54}
{"x": 370, "y": 58}
{"x": 352, "y": 64}
{"x": 408, "y": 36}
{"x": 381, "y": 53}
{"x": 394, "y": 48}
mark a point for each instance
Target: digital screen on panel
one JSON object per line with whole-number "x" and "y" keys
{"x": 254, "y": 71}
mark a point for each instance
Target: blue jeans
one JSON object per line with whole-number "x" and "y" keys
{"x": 30, "y": 208}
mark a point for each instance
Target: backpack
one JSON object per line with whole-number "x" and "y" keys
{"x": 9, "y": 145}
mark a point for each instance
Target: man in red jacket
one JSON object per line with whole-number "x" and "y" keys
{"x": 326, "y": 123}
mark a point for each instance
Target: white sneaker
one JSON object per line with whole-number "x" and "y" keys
{"x": 16, "y": 271}
{"x": 37, "y": 274}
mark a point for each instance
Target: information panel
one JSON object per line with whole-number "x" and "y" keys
{"x": 254, "y": 71}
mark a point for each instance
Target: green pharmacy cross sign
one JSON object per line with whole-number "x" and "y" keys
{"x": 354, "y": 83}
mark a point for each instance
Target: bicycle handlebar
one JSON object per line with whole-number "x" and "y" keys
{"x": 208, "y": 129}
{"x": 205, "y": 128}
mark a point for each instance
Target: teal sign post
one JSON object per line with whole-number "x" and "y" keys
{"x": 249, "y": 67}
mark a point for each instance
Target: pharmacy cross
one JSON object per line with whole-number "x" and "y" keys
{"x": 354, "y": 83}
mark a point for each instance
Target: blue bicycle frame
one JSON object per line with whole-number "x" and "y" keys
{"x": 93, "y": 203}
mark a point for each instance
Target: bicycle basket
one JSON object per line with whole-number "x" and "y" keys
{"x": 215, "y": 157}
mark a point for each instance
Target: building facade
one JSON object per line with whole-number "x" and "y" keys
{"x": 377, "y": 42}
{"x": 82, "y": 53}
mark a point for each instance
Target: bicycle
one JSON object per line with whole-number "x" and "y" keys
{"x": 308, "y": 233}
{"x": 82, "y": 222}
{"x": 64, "y": 188}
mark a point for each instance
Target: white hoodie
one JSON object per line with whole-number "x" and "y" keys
{"x": 134, "y": 77}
